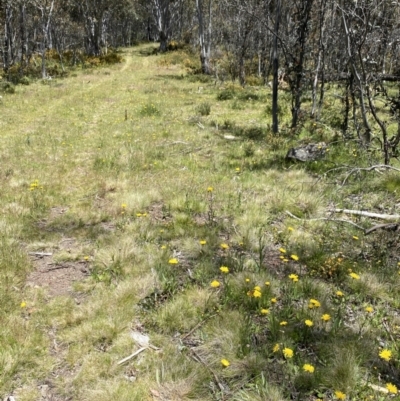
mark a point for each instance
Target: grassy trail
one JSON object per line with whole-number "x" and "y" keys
{"x": 158, "y": 224}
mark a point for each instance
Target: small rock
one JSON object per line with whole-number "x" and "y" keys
{"x": 310, "y": 152}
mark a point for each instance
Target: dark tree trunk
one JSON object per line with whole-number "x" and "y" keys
{"x": 24, "y": 43}
{"x": 7, "y": 52}
{"x": 297, "y": 89}
{"x": 275, "y": 68}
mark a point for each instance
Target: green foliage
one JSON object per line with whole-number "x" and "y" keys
{"x": 149, "y": 109}
{"x": 204, "y": 109}
{"x": 217, "y": 249}
{"x": 7, "y": 87}
{"x": 226, "y": 94}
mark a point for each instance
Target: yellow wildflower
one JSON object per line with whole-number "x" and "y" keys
{"x": 314, "y": 304}
{"x": 386, "y": 355}
{"x": 173, "y": 261}
{"x": 203, "y": 242}
{"x": 225, "y": 363}
{"x": 290, "y": 228}
{"x": 224, "y": 269}
{"x": 339, "y": 395}
{"x": 391, "y": 388}
{"x": 210, "y": 189}
{"x": 224, "y": 246}
{"x": 294, "y": 277}
{"x": 283, "y": 323}
{"x": 287, "y": 353}
{"x": 267, "y": 283}
{"x": 308, "y": 368}
{"x": 256, "y": 294}
{"x": 276, "y": 348}
{"x": 369, "y": 309}
{"x": 294, "y": 257}
{"x": 123, "y": 206}
{"x": 308, "y": 323}
{"x": 325, "y": 317}
{"x": 339, "y": 293}
{"x": 355, "y": 237}
{"x": 23, "y": 304}
{"x": 257, "y": 288}
{"x": 274, "y": 300}
{"x": 282, "y": 250}
{"x": 264, "y": 311}
{"x": 215, "y": 284}
{"x": 247, "y": 280}
{"x": 355, "y": 276}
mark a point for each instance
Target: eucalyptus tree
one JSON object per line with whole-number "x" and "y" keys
{"x": 205, "y": 33}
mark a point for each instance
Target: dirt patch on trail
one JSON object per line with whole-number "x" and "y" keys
{"x": 57, "y": 278}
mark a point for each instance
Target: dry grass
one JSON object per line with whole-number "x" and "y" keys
{"x": 119, "y": 199}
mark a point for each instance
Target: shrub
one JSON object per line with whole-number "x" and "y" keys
{"x": 204, "y": 109}
{"x": 149, "y": 109}
{"x": 226, "y": 94}
{"x": 24, "y": 81}
{"x": 7, "y": 87}
{"x": 111, "y": 58}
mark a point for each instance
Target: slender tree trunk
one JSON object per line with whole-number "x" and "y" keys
{"x": 204, "y": 42}
{"x": 299, "y": 62}
{"x": 275, "y": 68}
{"x": 316, "y": 108}
{"x": 22, "y": 30}
{"x": 367, "y": 135}
{"x": 7, "y": 38}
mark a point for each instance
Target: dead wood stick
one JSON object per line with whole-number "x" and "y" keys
{"x": 139, "y": 351}
{"x": 196, "y": 327}
{"x": 389, "y": 226}
{"x": 368, "y": 214}
{"x": 199, "y": 359}
{"x": 376, "y": 168}
{"x": 41, "y": 254}
{"x": 326, "y": 219}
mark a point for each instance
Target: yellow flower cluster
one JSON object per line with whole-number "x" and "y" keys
{"x": 308, "y": 368}
{"x": 288, "y": 353}
{"x": 314, "y": 304}
{"x": 386, "y": 355}
{"x": 34, "y": 185}
{"x": 339, "y": 395}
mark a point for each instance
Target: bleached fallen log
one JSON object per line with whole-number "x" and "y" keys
{"x": 326, "y": 219}
{"x": 367, "y": 214}
{"x": 139, "y": 351}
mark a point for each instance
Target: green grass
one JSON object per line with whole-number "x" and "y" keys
{"x": 110, "y": 171}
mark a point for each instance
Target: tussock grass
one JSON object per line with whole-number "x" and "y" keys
{"x": 110, "y": 172}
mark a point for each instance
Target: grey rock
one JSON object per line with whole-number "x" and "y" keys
{"x": 306, "y": 153}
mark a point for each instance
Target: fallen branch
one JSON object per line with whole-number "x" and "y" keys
{"x": 196, "y": 357}
{"x": 139, "y": 351}
{"x": 389, "y": 226}
{"x": 368, "y": 214}
{"x": 327, "y": 219}
{"x": 40, "y": 254}
{"x": 376, "y": 168}
{"x": 196, "y": 327}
